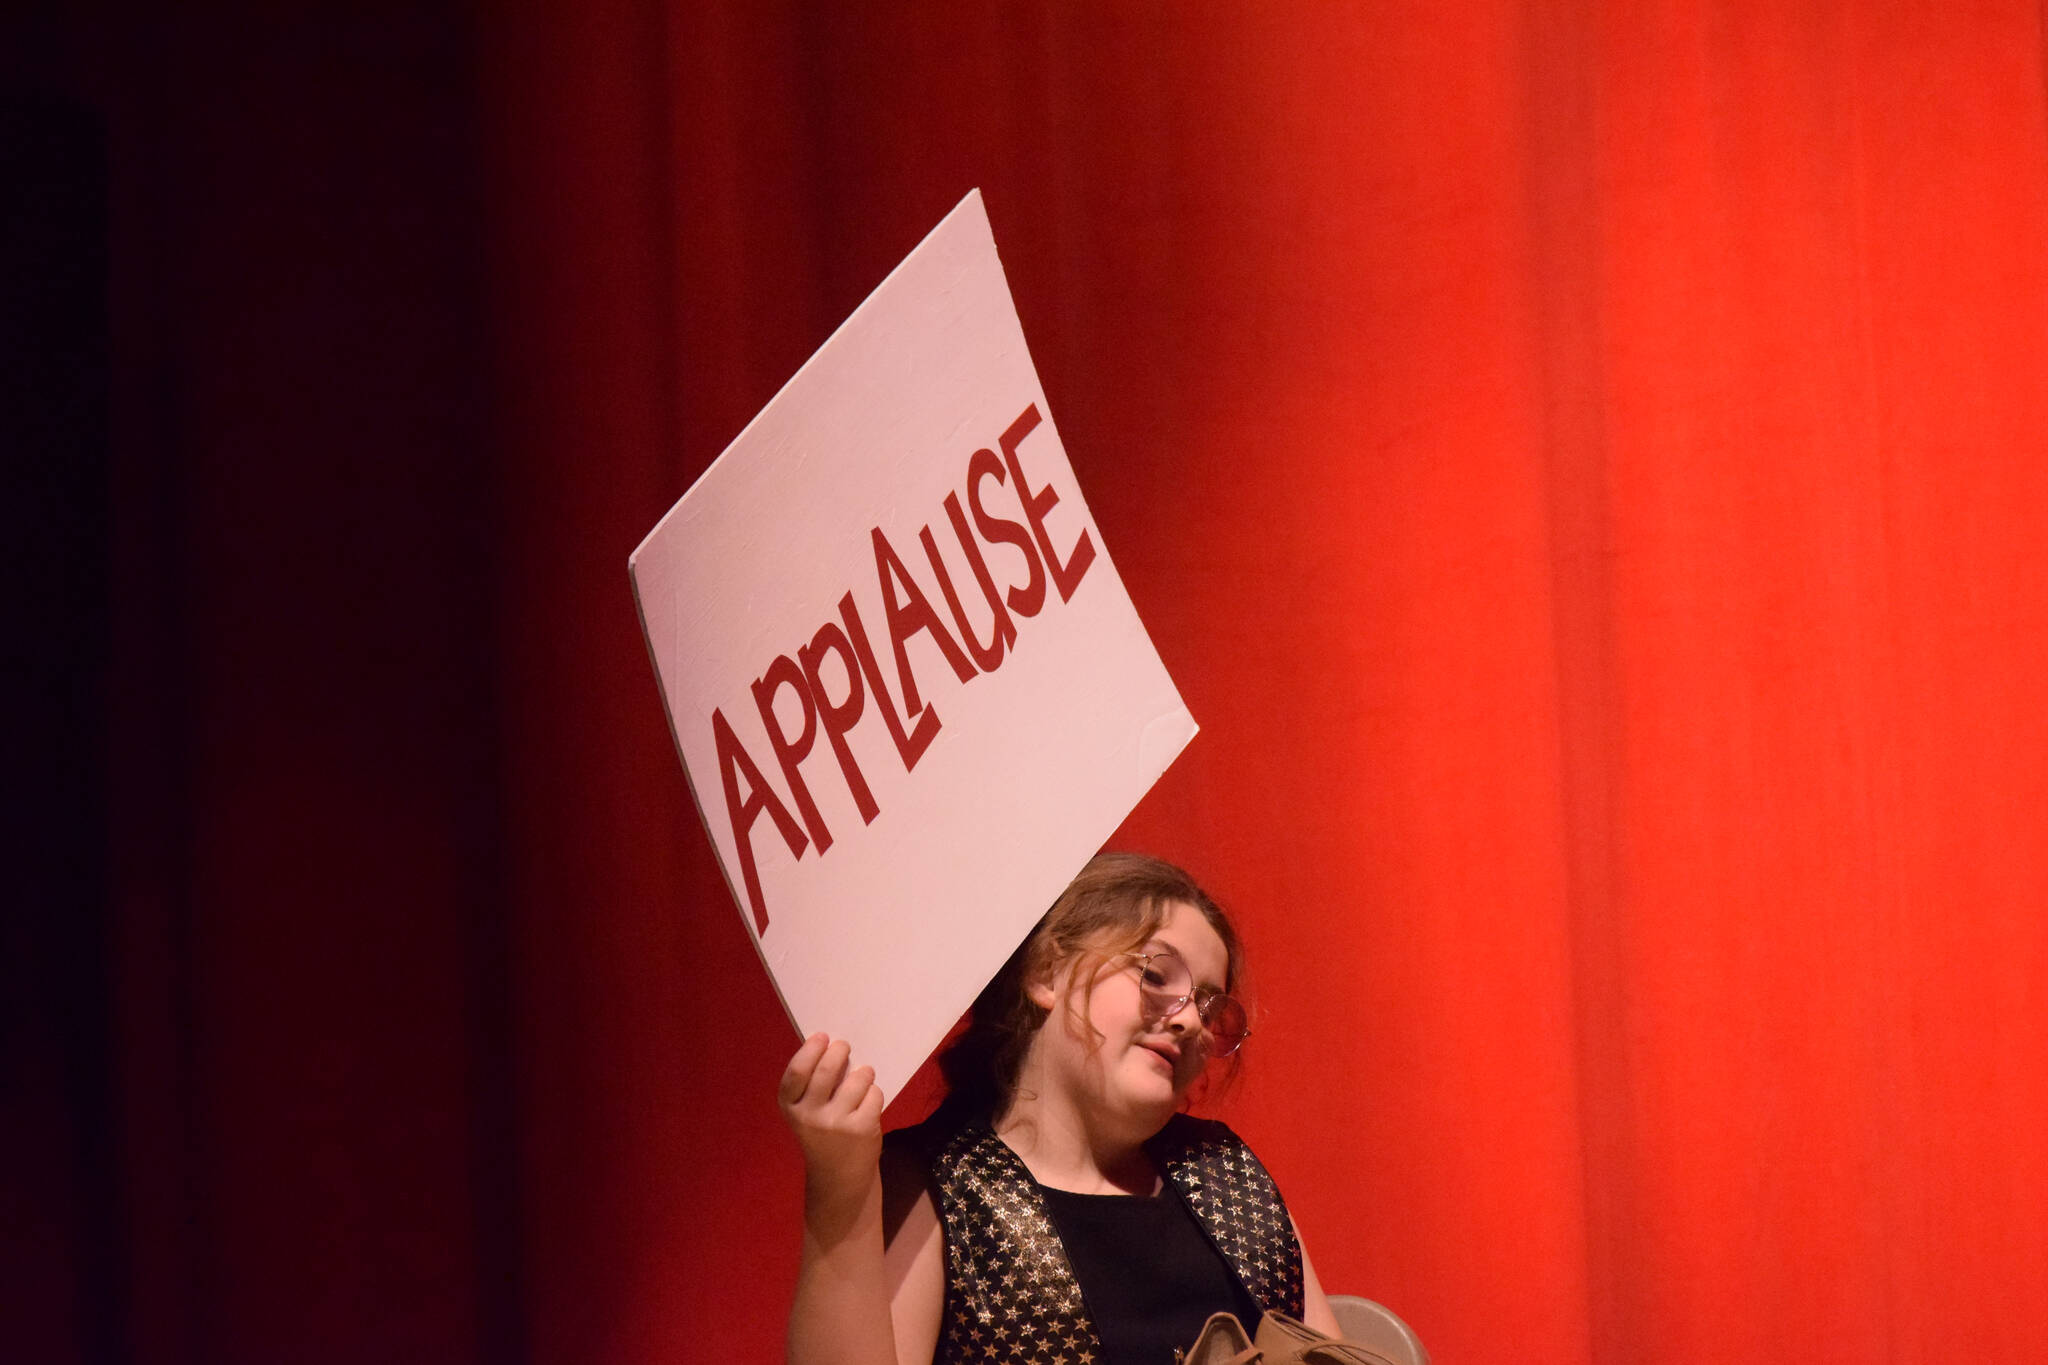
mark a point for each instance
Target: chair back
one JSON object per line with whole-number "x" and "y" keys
{"x": 1378, "y": 1326}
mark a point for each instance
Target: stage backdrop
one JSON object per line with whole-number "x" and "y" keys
{"x": 1582, "y": 464}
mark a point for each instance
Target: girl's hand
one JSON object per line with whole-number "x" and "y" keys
{"x": 836, "y": 1113}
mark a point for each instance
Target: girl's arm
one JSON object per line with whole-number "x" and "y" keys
{"x": 1315, "y": 1304}
{"x": 862, "y": 1298}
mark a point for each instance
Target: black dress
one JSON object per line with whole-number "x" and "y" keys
{"x": 1149, "y": 1274}
{"x": 1028, "y": 1286}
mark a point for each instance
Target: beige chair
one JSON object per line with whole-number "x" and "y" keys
{"x": 1376, "y": 1325}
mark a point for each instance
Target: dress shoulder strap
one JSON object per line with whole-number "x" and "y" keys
{"x": 1236, "y": 1202}
{"x": 1011, "y": 1294}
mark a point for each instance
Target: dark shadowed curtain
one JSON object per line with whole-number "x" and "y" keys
{"x": 1583, "y": 465}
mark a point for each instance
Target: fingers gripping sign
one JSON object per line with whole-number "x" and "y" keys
{"x": 835, "y": 1110}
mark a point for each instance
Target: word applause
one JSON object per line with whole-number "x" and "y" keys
{"x": 907, "y": 610}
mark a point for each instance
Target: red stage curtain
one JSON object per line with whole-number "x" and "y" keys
{"x": 1582, "y": 464}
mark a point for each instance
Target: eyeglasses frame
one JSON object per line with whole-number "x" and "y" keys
{"x": 1194, "y": 993}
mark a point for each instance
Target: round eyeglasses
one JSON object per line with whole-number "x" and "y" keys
{"x": 1165, "y": 985}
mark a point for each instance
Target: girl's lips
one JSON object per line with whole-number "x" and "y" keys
{"x": 1165, "y": 1052}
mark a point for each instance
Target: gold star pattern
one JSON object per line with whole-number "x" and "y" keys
{"x": 1238, "y": 1205}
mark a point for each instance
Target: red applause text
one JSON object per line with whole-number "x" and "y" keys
{"x": 906, "y": 610}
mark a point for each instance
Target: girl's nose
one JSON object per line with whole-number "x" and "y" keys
{"x": 1186, "y": 1019}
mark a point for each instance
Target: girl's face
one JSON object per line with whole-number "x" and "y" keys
{"x": 1144, "y": 1063}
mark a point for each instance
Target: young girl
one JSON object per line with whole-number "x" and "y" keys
{"x": 1058, "y": 1207}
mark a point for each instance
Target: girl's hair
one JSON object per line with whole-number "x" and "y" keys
{"x": 1114, "y": 906}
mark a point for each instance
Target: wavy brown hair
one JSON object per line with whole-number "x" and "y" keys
{"x": 1115, "y": 905}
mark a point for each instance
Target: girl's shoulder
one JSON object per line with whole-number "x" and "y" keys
{"x": 924, "y": 1141}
